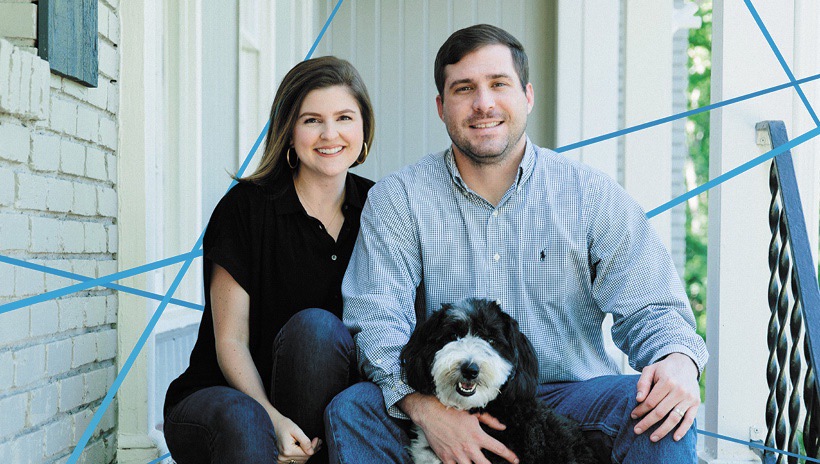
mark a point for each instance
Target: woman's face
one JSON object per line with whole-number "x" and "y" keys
{"x": 329, "y": 132}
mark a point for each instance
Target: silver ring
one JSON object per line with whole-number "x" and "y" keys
{"x": 679, "y": 411}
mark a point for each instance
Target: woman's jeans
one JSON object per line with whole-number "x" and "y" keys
{"x": 360, "y": 431}
{"x": 312, "y": 359}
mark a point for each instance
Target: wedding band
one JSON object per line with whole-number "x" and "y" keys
{"x": 679, "y": 411}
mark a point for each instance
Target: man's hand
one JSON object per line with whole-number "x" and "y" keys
{"x": 668, "y": 389}
{"x": 454, "y": 435}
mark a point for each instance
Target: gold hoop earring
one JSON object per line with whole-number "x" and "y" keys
{"x": 360, "y": 159}
{"x": 287, "y": 159}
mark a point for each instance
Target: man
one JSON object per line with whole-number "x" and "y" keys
{"x": 557, "y": 243}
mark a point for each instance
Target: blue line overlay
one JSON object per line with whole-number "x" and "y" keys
{"x": 82, "y": 278}
{"x": 100, "y": 281}
{"x": 684, "y": 114}
{"x": 734, "y": 172}
{"x": 161, "y": 458}
{"x": 756, "y": 445}
{"x": 781, "y": 60}
{"x": 126, "y": 367}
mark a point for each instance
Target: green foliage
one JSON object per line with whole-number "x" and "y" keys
{"x": 697, "y": 137}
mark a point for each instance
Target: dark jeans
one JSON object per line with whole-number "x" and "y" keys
{"x": 359, "y": 429}
{"x": 312, "y": 362}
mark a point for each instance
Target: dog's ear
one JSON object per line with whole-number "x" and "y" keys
{"x": 523, "y": 381}
{"x": 418, "y": 354}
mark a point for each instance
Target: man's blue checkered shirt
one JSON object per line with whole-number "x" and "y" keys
{"x": 565, "y": 245}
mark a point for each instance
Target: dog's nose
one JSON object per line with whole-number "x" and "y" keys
{"x": 469, "y": 370}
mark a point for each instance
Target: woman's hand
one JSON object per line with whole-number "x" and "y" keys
{"x": 294, "y": 446}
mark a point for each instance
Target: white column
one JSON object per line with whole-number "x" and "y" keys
{"x": 738, "y": 274}
{"x": 648, "y": 96}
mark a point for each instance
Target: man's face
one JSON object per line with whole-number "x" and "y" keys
{"x": 483, "y": 105}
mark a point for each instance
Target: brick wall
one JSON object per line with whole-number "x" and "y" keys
{"x": 58, "y": 208}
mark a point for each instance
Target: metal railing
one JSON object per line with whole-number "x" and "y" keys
{"x": 794, "y": 326}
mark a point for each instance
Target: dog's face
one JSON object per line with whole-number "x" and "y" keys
{"x": 468, "y": 353}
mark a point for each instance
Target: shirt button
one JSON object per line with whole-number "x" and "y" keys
{"x": 333, "y": 257}
{"x": 378, "y": 361}
{"x": 495, "y": 213}
{"x": 496, "y": 257}
{"x": 321, "y": 227}
{"x": 498, "y": 302}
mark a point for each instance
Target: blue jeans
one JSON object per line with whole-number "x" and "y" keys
{"x": 312, "y": 357}
{"x": 359, "y": 429}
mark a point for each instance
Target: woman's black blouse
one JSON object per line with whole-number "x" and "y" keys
{"x": 285, "y": 261}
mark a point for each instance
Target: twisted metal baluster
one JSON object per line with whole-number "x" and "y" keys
{"x": 811, "y": 427}
{"x": 795, "y": 366}
{"x": 774, "y": 291}
{"x": 782, "y": 383}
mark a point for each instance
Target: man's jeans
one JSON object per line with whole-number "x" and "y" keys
{"x": 311, "y": 364}
{"x": 359, "y": 429}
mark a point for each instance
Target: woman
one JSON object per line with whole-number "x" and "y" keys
{"x": 264, "y": 367}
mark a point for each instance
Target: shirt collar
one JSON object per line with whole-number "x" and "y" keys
{"x": 288, "y": 202}
{"x": 525, "y": 169}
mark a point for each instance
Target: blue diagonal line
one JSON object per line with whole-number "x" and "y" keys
{"x": 781, "y": 59}
{"x": 734, "y": 172}
{"x": 78, "y": 450}
{"x": 324, "y": 29}
{"x": 161, "y": 458}
{"x": 684, "y": 114}
{"x": 100, "y": 281}
{"x": 756, "y": 445}
{"x": 82, "y": 278}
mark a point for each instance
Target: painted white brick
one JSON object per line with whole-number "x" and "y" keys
{"x": 56, "y": 82}
{"x": 6, "y": 367}
{"x": 71, "y": 313}
{"x": 113, "y": 27}
{"x": 112, "y": 304}
{"x": 106, "y": 267}
{"x": 111, "y": 166}
{"x": 93, "y": 453}
{"x": 71, "y": 393}
{"x": 14, "y": 414}
{"x": 95, "y": 164}
{"x": 107, "y": 201}
{"x": 26, "y": 64}
{"x": 98, "y": 96}
{"x": 63, "y": 115}
{"x": 60, "y": 195}
{"x": 95, "y": 387}
{"x": 45, "y": 318}
{"x": 7, "y": 186}
{"x": 84, "y": 350}
{"x": 75, "y": 89}
{"x": 113, "y": 240}
{"x": 109, "y": 60}
{"x": 14, "y": 326}
{"x": 86, "y": 267}
{"x": 53, "y": 282}
{"x": 109, "y": 419}
{"x": 7, "y": 280}
{"x": 15, "y": 142}
{"x": 94, "y": 311}
{"x": 45, "y": 235}
{"x": 95, "y": 237}
{"x": 58, "y": 436}
{"x": 81, "y": 419}
{"x": 72, "y": 236}
{"x": 15, "y": 79}
{"x": 14, "y": 232}
{"x": 85, "y": 199}
{"x": 31, "y": 191}
{"x": 72, "y": 157}
{"x": 29, "y": 365}
{"x": 28, "y": 449}
{"x": 5, "y": 63}
{"x": 18, "y": 20}
{"x": 45, "y": 90}
{"x": 42, "y": 404}
{"x": 107, "y": 344}
{"x": 108, "y": 133}
{"x": 87, "y": 123}
{"x": 45, "y": 155}
{"x": 113, "y": 97}
{"x": 28, "y": 282}
{"x": 58, "y": 357}
{"x": 7, "y": 451}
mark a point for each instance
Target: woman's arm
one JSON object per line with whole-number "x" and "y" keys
{"x": 230, "y": 305}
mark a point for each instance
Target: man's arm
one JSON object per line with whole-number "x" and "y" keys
{"x": 636, "y": 281}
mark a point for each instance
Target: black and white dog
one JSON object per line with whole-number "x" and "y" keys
{"x": 473, "y": 357}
